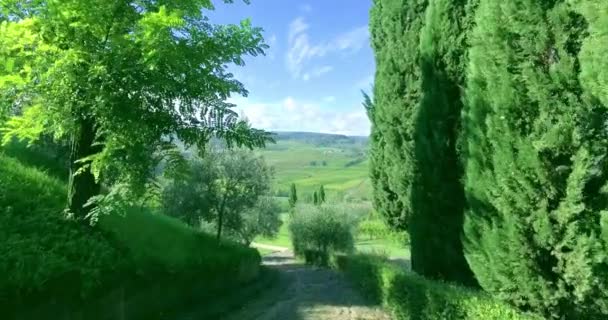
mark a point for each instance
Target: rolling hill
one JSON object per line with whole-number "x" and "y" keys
{"x": 310, "y": 160}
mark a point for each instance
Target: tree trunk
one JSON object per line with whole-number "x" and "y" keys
{"x": 82, "y": 186}
{"x": 220, "y": 218}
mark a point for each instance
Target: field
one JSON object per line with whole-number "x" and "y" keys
{"x": 337, "y": 163}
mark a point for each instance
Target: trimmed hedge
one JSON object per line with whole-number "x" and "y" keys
{"x": 50, "y": 265}
{"x": 409, "y": 296}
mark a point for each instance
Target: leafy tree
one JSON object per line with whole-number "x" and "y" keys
{"x": 437, "y": 192}
{"x": 116, "y": 78}
{"x": 536, "y": 142}
{"x": 190, "y": 196}
{"x": 315, "y": 198}
{"x": 293, "y": 196}
{"x": 218, "y": 189}
{"x": 262, "y": 219}
{"x": 321, "y": 195}
{"x": 395, "y": 27}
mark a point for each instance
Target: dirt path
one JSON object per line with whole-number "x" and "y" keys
{"x": 306, "y": 293}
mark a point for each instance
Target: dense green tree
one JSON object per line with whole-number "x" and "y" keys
{"x": 395, "y": 27}
{"x": 263, "y": 219}
{"x": 293, "y": 196}
{"x": 536, "y": 145}
{"x": 218, "y": 188}
{"x": 321, "y": 195}
{"x": 315, "y": 198}
{"x": 115, "y": 78}
{"x": 437, "y": 193}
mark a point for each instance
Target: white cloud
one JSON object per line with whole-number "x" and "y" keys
{"x": 302, "y": 50}
{"x": 293, "y": 115}
{"x": 306, "y": 8}
{"x": 316, "y": 72}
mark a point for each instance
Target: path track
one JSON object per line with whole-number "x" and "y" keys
{"x": 305, "y": 292}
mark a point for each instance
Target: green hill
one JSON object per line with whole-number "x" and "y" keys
{"x": 312, "y": 159}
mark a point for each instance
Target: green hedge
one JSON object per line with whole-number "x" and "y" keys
{"x": 49, "y": 262}
{"x": 409, "y": 296}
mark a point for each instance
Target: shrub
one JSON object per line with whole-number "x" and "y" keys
{"x": 318, "y": 231}
{"x": 409, "y": 296}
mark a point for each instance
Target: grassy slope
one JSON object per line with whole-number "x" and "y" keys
{"x": 54, "y": 253}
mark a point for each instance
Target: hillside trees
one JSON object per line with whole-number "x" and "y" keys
{"x": 437, "y": 200}
{"x": 536, "y": 144}
{"x": 116, "y": 77}
{"x": 395, "y": 27}
{"x": 219, "y": 188}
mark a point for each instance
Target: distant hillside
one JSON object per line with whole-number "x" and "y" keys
{"x": 321, "y": 139}
{"x": 309, "y": 160}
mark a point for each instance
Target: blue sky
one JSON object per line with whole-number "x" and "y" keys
{"x": 311, "y": 78}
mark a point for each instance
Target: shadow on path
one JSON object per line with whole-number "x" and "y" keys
{"x": 305, "y": 292}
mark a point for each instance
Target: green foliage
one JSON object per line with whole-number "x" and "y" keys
{"x": 44, "y": 255}
{"x": 41, "y": 251}
{"x": 373, "y": 229}
{"x": 218, "y": 189}
{"x": 263, "y": 219}
{"x": 293, "y": 196}
{"x": 315, "y": 198}
{"x": 438, "y": 199}
{"x": 318, "y": 231}
{"x": 535, "y": 141}
{"x": 409, "y": 296}
{"x": 395, "y": 27}
{"x": 116, "y": 78}
{"x": 321, "y": 194}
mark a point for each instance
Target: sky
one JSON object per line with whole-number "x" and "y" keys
{"x": 318, "y": 62}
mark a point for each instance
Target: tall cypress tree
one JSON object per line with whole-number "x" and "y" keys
{"x": 321, "y": 194}
{"x": 438, "y": 194}
{"x": 395, "y": 26}
{"x": 536, "y": 145}
{"x": 293, "y": 196}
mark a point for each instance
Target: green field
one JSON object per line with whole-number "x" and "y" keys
{"x": 341, "y": 168}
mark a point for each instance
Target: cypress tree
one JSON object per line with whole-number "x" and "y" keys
{"x": 395, "y": 26}
{"x": 437, "y": 194}
{"x": 315, "y": 198}
{"x": 293, "y": 196}
{"x": 536, "y": 145}
{"x": 321, "y": 194}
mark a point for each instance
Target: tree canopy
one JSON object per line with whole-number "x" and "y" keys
{"x": 119, "y": 79}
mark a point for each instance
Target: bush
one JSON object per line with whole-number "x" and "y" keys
{"x": 409, "y": 296}
{"x": 318, "y": 231}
